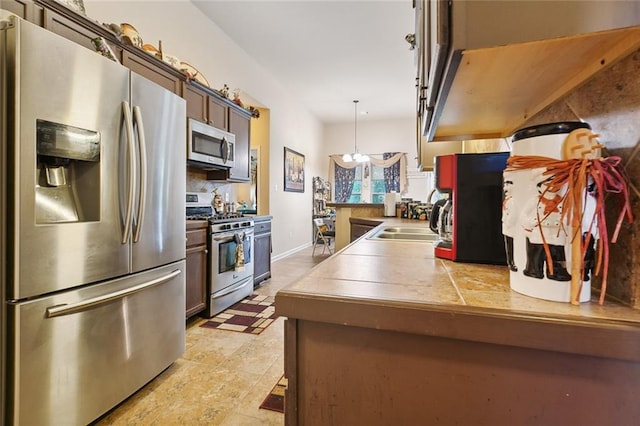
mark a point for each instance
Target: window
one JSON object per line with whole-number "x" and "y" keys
{"x": 356, "y": 192}
{"x": 377, "y": 184}
{"x": 368, "y": 182}
{"x": 368, "y": 185}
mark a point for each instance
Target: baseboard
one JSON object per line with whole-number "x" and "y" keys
{"x": 290, "y": 252}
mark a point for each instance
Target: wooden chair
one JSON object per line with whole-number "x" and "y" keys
{"x": 323, "y": 235}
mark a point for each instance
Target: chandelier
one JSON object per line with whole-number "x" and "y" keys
{"x": 356, "y": 156}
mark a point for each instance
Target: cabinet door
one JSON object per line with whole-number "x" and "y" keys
{"x": 218, "y": 113}
{"x": 196, "y": 279}
{"x": 239, "y": 125}
{"x": 25, "y": 9}
{"x": 262, "y": 256}
{"x": 65, "y": 27}
{"x": 196, "y": 102}
{"x": 151, "y": 71}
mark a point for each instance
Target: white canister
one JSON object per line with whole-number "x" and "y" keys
{"x": 523, "y": 189}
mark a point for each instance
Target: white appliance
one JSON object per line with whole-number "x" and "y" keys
{"x": 92, "y": 245}
{"x": 390, "y": 200}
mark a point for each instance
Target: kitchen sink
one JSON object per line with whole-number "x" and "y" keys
{"x": 400, "y": 233}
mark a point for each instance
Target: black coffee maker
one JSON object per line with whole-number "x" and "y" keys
{"x": 469, "y": 221}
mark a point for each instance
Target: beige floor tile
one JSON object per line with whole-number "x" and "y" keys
{"x": 223, "y": 376}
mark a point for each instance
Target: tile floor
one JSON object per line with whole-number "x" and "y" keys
{"x": 223, "y": 376}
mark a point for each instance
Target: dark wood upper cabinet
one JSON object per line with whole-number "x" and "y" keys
{"x": 240, "y": 125}
{"x": 205, "y": 107}
{"x": 69, "y": 29}
{"x": 143, "y": 66}
{"x": 26, "y": 9}
{"x": 197, "y": 101}
{"x": 218, "y": 113}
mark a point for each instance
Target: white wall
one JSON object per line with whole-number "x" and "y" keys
{"x": 376, "y": 137}
{"x": 186, "y": 33}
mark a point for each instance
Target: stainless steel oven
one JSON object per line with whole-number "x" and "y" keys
{"x": 230, "y": 253}
{"x": 230, "y": 263}
{"x": 209, "y": 146}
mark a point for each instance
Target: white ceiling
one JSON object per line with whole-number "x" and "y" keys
{"x": 329, "y": 52}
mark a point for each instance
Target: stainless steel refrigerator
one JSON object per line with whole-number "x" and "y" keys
{"x": 92, "y": 184}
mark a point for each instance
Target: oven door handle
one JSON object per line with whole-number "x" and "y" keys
{"x": 229, "y": 235}
{"x": 231, "y": 288}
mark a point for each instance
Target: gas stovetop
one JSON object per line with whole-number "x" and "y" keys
{"x": 198, "y": 207}
{"x": 214, "y": 217}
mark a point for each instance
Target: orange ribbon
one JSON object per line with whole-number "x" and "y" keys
{"x": 607, "y": 176}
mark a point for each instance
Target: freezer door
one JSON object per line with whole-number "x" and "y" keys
{"x": 63, "y": 163}
{"x": 159, "y": 215}
{"x": 78, "y": 354}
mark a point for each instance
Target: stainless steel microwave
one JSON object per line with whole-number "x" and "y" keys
{"x": 209, "y": 146}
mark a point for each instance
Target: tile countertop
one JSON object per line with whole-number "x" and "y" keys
{"x": 402, "y": 286}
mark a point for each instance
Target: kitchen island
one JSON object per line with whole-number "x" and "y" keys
{"x": 385, "y": 333}
{"x": 344, "y": 211}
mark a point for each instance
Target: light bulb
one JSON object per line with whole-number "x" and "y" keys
{"x": 347, "y": 158}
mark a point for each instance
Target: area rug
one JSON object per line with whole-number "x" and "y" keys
{"x": 252, "y": 315}
{"x": 275, "y": 400}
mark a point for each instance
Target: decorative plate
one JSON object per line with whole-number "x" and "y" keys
{"x": 191, "y": 72}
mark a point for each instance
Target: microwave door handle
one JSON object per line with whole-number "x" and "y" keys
{"x": 225, "y": 150}
{"x": 142, "y": 194}
{"x": 128, "y": 126}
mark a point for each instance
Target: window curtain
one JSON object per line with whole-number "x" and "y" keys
{"x": 391, "y": 174}
{"x": 343, "y": 174}
{"x": 344, "y": 178}
{"x": 396, "y": 162}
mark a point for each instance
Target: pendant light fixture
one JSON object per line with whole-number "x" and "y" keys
{"x": 356, "y": 156}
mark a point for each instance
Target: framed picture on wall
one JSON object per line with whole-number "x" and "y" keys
{"x": 293, "y": 171}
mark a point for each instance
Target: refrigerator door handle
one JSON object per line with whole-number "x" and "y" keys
{"x": 132, "y": 178}
{"x": 72, "y": 308}
{"x": 142, "y": 194}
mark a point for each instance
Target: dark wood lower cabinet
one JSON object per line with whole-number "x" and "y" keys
{"x": 359, "y": 227}
{"x": 196, "y": 280}
{"x": 262, "y": 251}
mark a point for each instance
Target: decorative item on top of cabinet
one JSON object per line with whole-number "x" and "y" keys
{"x": 196, "y": 279}
{"x": 262, "y": 249}
{"x": 76, "y": 5}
